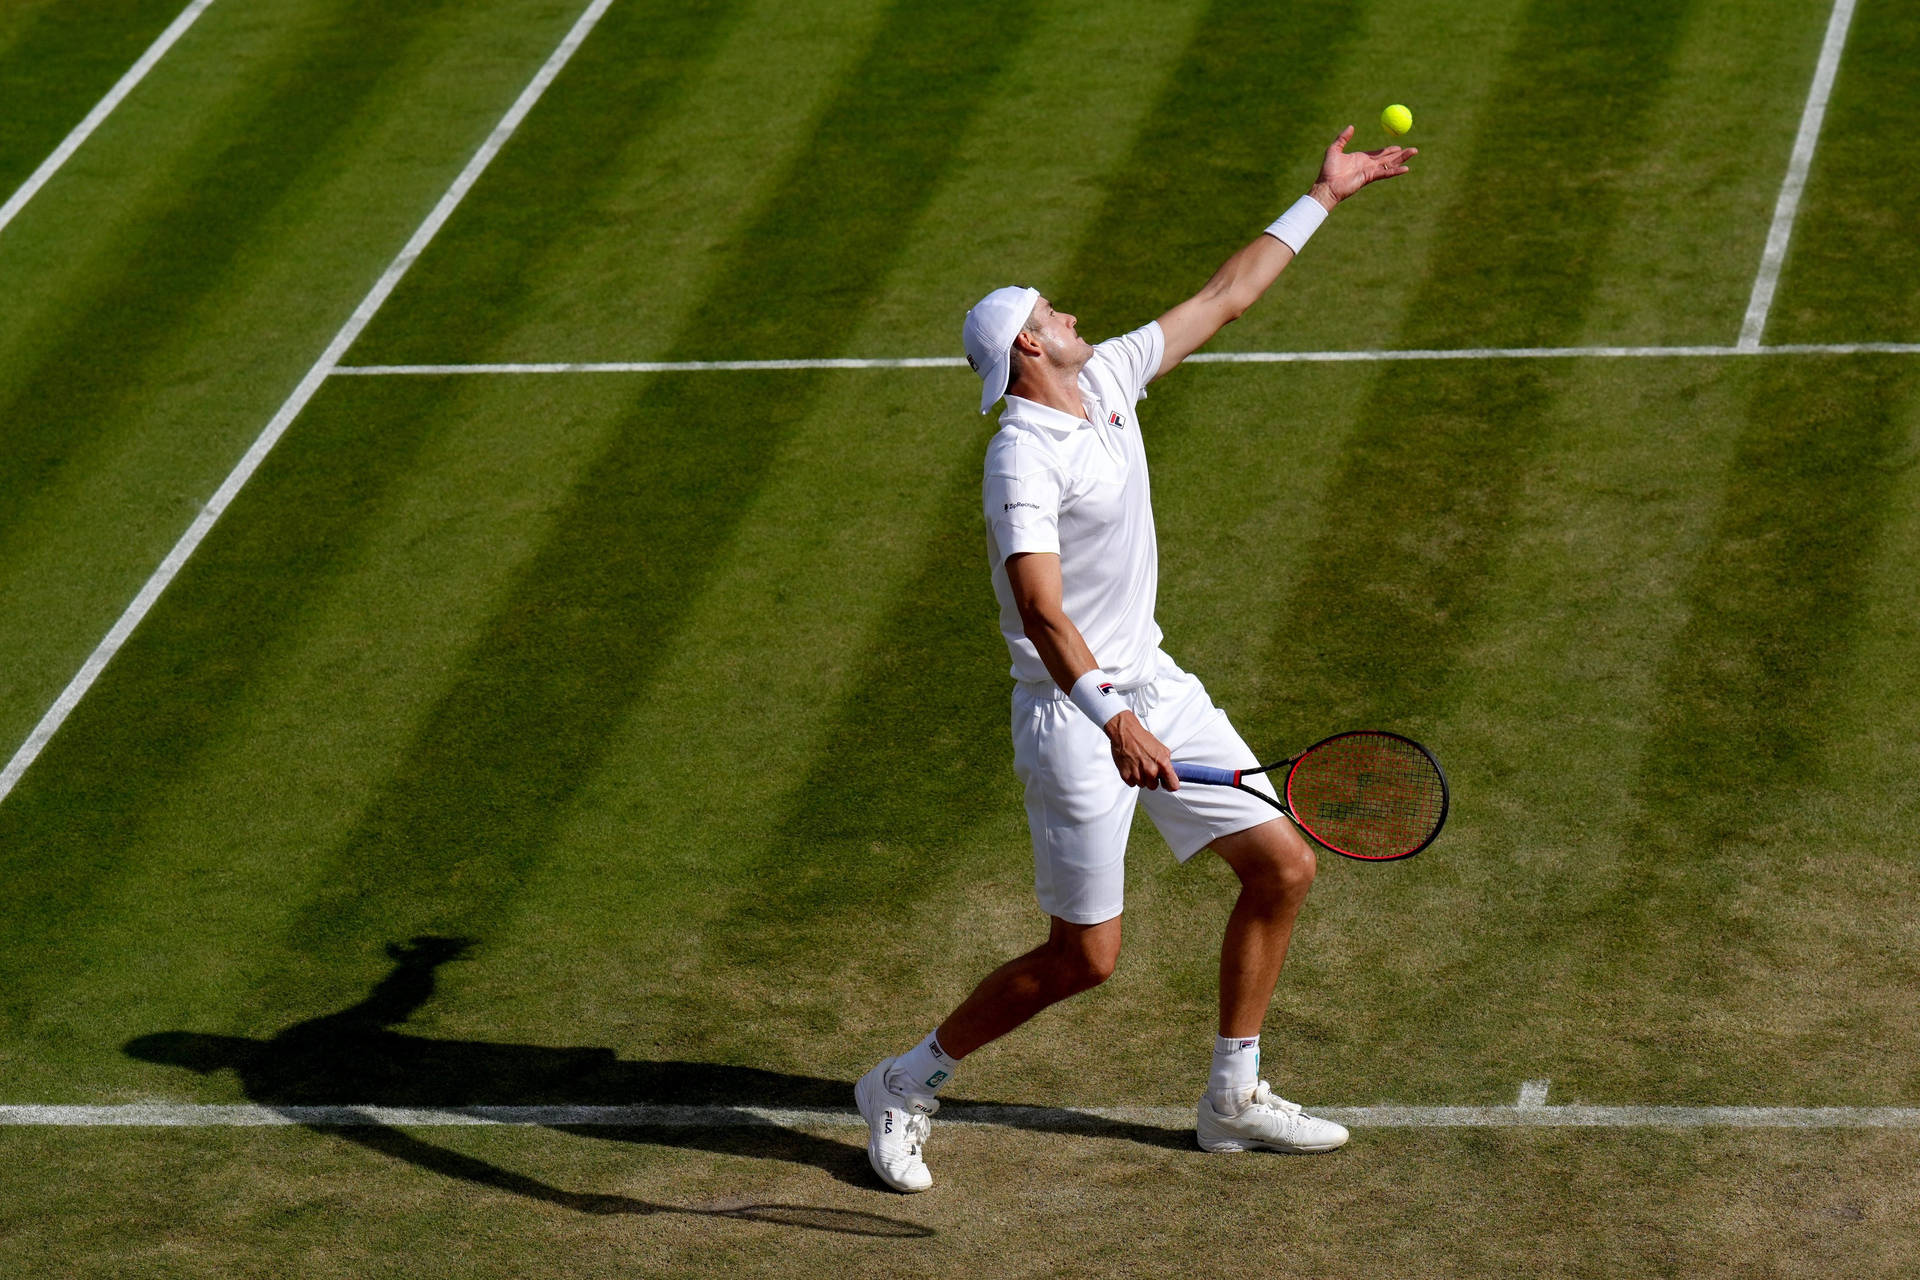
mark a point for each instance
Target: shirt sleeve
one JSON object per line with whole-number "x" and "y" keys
{"x": 1022, "y": 506}
{"x": 1133, "y": 358}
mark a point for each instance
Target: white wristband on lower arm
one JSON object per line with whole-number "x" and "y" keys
{"x": 1093, "y": 693}
{"x": 1296, "y": 226}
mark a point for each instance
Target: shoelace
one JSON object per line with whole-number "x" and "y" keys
{"x": 1264, "y": 1096}
{"x": 919, "y": 1129}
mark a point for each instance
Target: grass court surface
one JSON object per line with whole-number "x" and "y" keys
{"x": 679, "y": 695}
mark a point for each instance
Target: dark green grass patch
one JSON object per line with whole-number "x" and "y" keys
{"x": 573, "y": 646}
{"x": 560, "y": 173}
{"x": 56, "y": 61}
{"x": 1853, "y": 268}
{"x": 93, "y": 370}
{"x": 1418, "y": 516}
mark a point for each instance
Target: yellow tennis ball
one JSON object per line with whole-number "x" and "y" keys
{"x": 1396, "y": 119}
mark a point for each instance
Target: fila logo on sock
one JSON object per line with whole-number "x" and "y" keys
{"x": 1246, "y": 1044}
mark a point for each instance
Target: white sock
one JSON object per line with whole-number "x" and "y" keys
{"x": 1236, "y": 1072}
{"x": 922, "y": 1070}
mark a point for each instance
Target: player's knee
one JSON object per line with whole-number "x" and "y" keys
{"x": 1284, "y": 867}
{"x": 1083, "y": 968}
{"x": 1295, "y": 864}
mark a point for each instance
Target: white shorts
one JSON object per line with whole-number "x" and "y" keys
{"x": 1080, "y": 811}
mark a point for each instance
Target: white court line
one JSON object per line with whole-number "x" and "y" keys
{"x": 1205, "y": 357}
{"x": 101, "y": 110}
{"x": 276, "y": 427}
{"x": 1787, "y": 207}
{"x": 188, "y": 1115}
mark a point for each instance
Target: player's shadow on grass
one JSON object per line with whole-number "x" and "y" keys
{"x": 356, "y": 1057}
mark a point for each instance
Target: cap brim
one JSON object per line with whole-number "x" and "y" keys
{"x": 993, "y": 382}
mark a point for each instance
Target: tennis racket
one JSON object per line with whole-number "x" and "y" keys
{"x": 1366, "y": 794}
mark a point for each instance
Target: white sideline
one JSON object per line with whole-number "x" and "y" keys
{"x": 101, "y": 110}
{"x": 1384, "y": 1116}
{"x": 1787, "y": 207}
{"x": 1205, "y": 357}
{"x": 276, "y": 427}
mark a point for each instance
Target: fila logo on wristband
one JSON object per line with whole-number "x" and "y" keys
{"x": 1096, "y": 697}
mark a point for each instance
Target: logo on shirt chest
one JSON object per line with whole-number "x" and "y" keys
{"x": 1117, "y": 419}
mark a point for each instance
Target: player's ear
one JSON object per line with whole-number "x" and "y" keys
{"x": 1027, "y": 343}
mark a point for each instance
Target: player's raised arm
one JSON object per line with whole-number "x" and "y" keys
{"x": 1244, "y": 277}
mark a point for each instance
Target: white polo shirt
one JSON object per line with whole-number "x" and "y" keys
{"x": 1078, "y": 487}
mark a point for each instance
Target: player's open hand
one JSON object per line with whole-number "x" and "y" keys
{"x": 1342, "y": 174}
{"x": 1142, "y": 759}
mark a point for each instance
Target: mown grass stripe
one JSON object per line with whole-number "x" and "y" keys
{"x": 1091, "y": 1121}
{"x": 101, "y": 110}
{"x": 1747, "y": 698}
{"x": 276, "y": 427}
{"x": 546, "y": 687}
{"x": 1421, "y": 507}
{"x": 1858, "y": 211}
{"x": 1787, "y": 208}
{"x": 1229, "y": 133}
{"x": 88, "y": 372}
{"x": 58, "y": 60}
{"x": 486, "y": 264}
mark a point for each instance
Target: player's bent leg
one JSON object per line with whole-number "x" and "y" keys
{"x": 1276, "y": 867}
{"x": 1074, "y": 958}
{"x": 1239, "y": 1111}
{"x": 898, "y": 1111}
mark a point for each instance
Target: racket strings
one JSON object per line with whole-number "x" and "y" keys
{"x": 1371, "y": 795}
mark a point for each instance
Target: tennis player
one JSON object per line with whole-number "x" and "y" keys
{"x": 1099, "y": 711}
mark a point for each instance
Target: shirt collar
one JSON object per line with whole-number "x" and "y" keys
{"x": 1033, "y": 413}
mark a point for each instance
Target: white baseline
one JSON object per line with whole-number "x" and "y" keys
{"x": 101, "y": 110}
{"x": 1385, "y": 1116}
{"x": 1787, "y": 207}
{"x": 1204, "y": 357}
{"x": 276, "y": 427}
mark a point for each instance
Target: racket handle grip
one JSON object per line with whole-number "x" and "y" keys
{"x": 1206, "y": 773}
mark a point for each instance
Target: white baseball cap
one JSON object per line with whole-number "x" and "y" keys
{"x": 989, "y": 332}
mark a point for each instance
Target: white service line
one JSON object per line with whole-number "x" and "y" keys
{"x": 1205, "y": 357}
{"x": 1090, "y": 1119}
{"x": 1787, "y": 207}
{"x": 276, "y": 427}
{"x": 101, "y": 110}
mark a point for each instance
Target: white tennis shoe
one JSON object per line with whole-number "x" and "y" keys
{"x": 897, "y": 1129}
{"x": 1269, "y": 1123}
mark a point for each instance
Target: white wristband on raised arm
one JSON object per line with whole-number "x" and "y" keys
{"x": 1093, "y": 693}
{"x": 1296, "y": 226}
